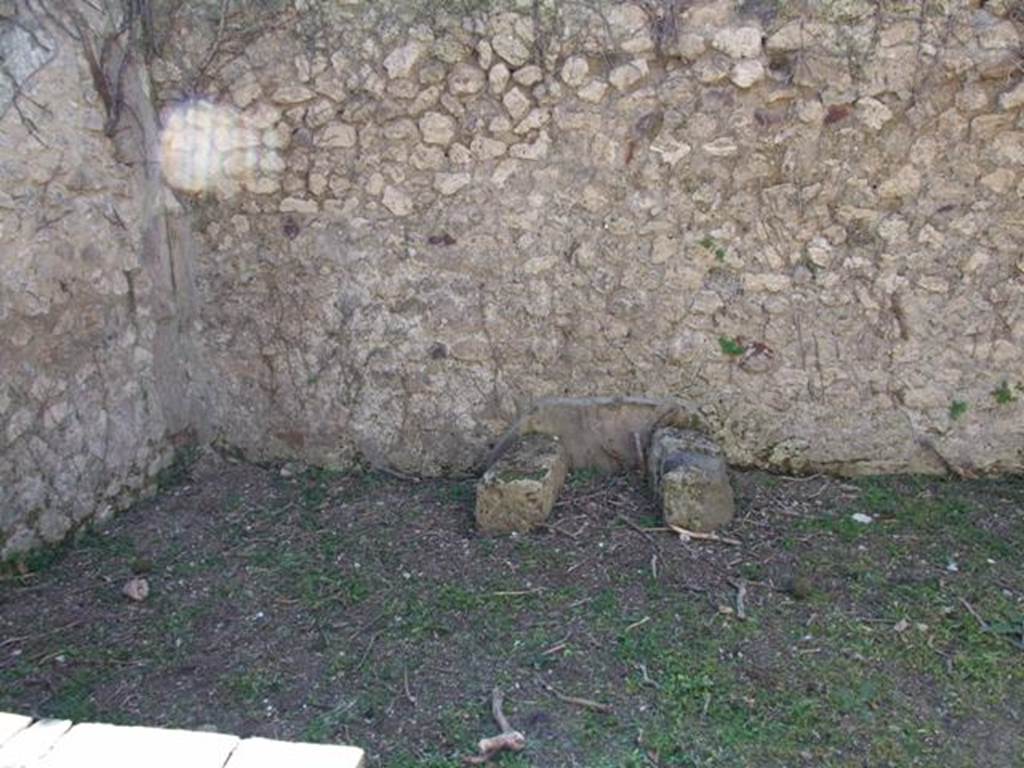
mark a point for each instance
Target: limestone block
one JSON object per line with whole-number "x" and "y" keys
{"x": 509, "y": 47}
{"x": 1013, "y": 98}
{"x": 118, "y": 746}
{"x": 537, "y": 118}
{"x": 26, "y": 747}
{"x": 338, "y": 136}
{"x": 397, "y": 201}
{"x": 450, "y": 183}
{"x": 738, "y": 42}
{"x": 517, "y": 103}
{"x": 498, "y": 78}
{"x": 529, "y": 75}
{"x": 437, "y": 128}
{"x": 298, "y": 205}
{"x": 400, "y": 62}
{"x": 873, "y": 113}
{"x": 293, "y": 94}
{"x": 265, "y": 753}
{"x": 12, "y": 724}
{"x": 466, "y": 79}
{"x": 575, "y": 71}
{"x": 747, "y": 72}
{"x": 626, "y": 75}
{"x": 594, "y": 92}
{"x": 487, "y": 149}
{"x": 520, "y": 488}
{"x": 689, "y": 475}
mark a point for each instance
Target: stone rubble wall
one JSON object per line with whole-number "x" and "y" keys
{"x": 386, "y": 229}
{"x": 802, "y": 219}
{"x": 95, "y": 390}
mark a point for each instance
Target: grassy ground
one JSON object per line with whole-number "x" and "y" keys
{"x": 364, "y": 609}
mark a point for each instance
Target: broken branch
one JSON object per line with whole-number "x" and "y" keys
{"x": 508, "y": 739}
{"x": 590, "y": 704}
{"x": 741, "y": 599}
{"x": 686, "y": 534}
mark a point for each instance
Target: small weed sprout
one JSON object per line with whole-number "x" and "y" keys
{"x": 1003, "y": 394}
{"x": 957, "y": 409}
{"x": 731, "y": 347}
{"x": 709, "y": 243}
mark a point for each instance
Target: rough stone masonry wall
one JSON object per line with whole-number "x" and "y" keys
{"x": 384, "y": 229}
{"x": 94, "y": 389}
{"x": 804, "y": 219}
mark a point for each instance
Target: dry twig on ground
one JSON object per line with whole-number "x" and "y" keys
{"x": 596, "y": 706}
{"x": 509, "y": 739}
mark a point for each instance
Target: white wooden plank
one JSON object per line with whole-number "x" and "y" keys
{"x": 265, "y": 753}
{"x": 11, "y": 724}
{"x": 29, "y": 745}
{"x": 92, "y": 745}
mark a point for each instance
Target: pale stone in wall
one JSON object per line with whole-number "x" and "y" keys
{"x": 873, "y": 113}
{"x": 293, "y": 94}
{"x": 466, "y": 79}
{"x": 738, "y": 43}
{"x": 627, "y": 75}
{"x": 575, "y": 71}
{"x": 486, "y": 148}
{"x": 594, "y": 92}
{"x": 1013, "y": 98}
{"x": 437, "y": 128}
{"x": 528, "y": 75}
{"x": 517, "y": 103}
{"x": 498, "y": 78}
{"x": 397, "y": 201}
{"x": 747, "y": 72}
{"x": 512, "y": 49}
{"x": 400, "y": 62}
{"x": 449, "y": 183}
{"x": 339, "y": 136}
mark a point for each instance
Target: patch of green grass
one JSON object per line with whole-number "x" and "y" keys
{"x": 731, "y": 347}
{"x": 460, "y": 492}
{"x": 709, "y": 243}
{"x": 251, "y": 687}
{"x": 1003, "y": 394}
{"x": 584, "y": 477}
{"x": 957, "y": 408}
{"x": 74, "y": 699}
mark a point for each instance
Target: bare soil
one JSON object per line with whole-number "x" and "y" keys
{"x": 360, "y": 608}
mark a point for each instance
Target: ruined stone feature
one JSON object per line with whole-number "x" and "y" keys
{"x": 689, "y": 475}
{"x": 519, "y": 490}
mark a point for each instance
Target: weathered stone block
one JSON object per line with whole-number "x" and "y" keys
{"x": 519, "y": 490}
{"x": 689, "y": 475}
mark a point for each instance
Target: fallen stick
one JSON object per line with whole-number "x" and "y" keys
{"x": 596, "y": 706}
{"x": 508, "y": 739}
{"x": 741, "y": 599}
{"x": 686, "y": 534}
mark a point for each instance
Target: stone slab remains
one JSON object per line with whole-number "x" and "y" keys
{"x": 600, "y": 432}
{"x": 29, "y": 745}
{"x": 120, "y": 746}
{"x": 689, "y": 474}
{"x": 58, "y": 744}
{"x": 519, "y": 490}
{"x": 12, "y": 724}
{"x": 264, "y": 753}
